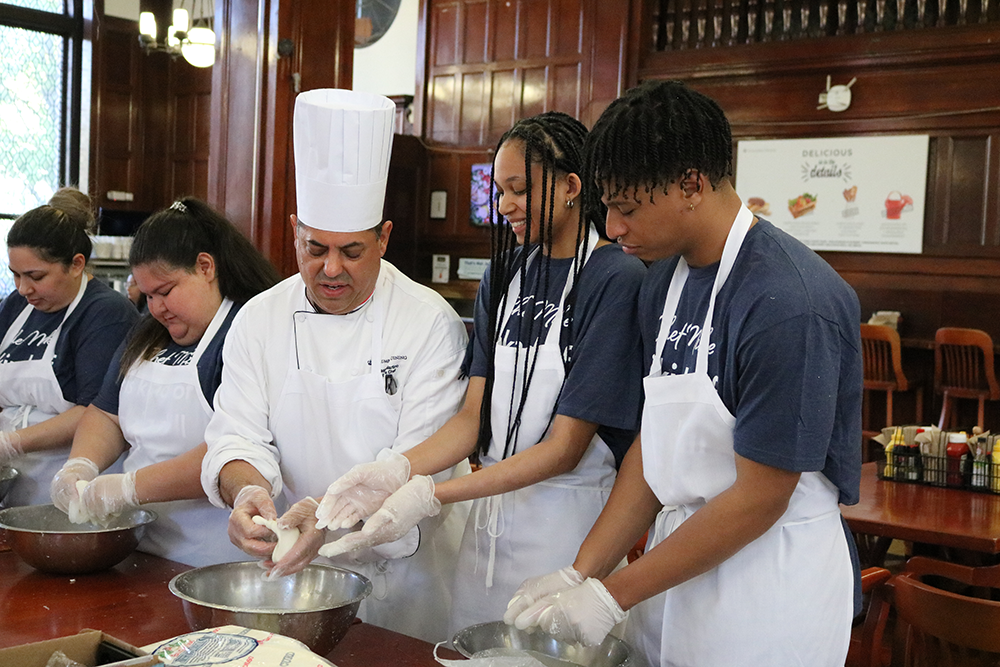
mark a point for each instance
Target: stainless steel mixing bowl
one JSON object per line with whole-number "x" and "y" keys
{"x": 7, "y": 477}
{"x": 44, "y": 537}
{"x": 315, "y": 606}
{"x": 498, "y": 635}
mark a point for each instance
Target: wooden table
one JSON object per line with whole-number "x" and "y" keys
{"x": 918, "y": 513}
{"x": 132, "y": 602}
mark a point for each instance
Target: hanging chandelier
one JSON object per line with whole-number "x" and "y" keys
{"x": 189, "y": 35}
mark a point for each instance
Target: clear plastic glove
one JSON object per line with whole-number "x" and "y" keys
{"x": 63, "y": 486}
{"x": 255, "y": 540}
{"x": 108, "y": 496}
{"x": 301, "y": 517}
{"x": 360, "y": 492}
{"x": 399, "y": 514}
{"x": 534, "y": 589}
{"x": 583, "y": 614}
{"x": 10, "y": 445}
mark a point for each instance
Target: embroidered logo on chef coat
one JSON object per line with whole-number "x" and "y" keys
{"x": 389, "y": 368}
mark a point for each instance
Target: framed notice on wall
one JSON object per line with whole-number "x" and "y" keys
{"x": 861, "y": 194}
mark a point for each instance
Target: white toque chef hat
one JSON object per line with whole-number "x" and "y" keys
{"x": 342, "y": 141}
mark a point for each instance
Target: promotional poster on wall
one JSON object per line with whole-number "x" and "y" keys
{"x": 856, "y": 194}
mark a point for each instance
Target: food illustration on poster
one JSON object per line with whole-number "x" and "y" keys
{"x": 862, "y": 194}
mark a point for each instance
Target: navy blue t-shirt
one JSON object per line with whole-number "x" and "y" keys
{"x": 209, "y": 366}
{"x": 785, "y": 356}
{"x": 86, "y": 343}
{"x": 604, "y": 384}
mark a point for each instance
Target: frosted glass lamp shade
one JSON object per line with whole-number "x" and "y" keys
{"x": 147, "y": 25}
{"x": 199, "y": 50}
{"x": 181, "y": 23}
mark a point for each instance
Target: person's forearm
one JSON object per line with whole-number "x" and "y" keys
{"x": 557, "y": 454}
{"x": 177, "y": 478}
{"x": 98, "y": 437}
{"x": 454, "y": 441}
{"x": 237, "y": 474}
{"x": 53, "y": 433}
{"x": 629, "y": 512}
{"x": 710, "y": 536}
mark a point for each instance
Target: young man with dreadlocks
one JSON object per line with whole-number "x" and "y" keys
{"x": 751, "y": 426}
{"x": 554, "y": 391}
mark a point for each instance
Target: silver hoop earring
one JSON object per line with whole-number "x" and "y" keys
{"x": 570, "y": 203}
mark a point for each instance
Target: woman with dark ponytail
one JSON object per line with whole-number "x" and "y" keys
{"x": 554, "y": 391}
{"x": 59, "y": 330}
{"x": 196, "y": 271}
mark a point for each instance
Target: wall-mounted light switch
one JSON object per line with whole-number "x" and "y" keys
{"x": 439, "y": 204}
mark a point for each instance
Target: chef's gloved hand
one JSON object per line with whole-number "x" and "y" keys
{"x": 534, "y": 589}
{"x": 302, "y": 517}
{"x": 360, "y": 492}
{"x": 63, "y": 486}
{"x": 399, "y": 514}
{"x": 10, "y": 445}
{"x": 108, "y": 496}
{"x": 583, "y": 614}
{"x": 252, "y": 539}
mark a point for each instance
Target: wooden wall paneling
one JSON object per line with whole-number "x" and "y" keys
{"x": 251, "y": 173}
{"x": 475, "y": 26}
{"x": 473, "y": 108}
{"x": 115, "y": 156}
{"x": 190, "y": 146}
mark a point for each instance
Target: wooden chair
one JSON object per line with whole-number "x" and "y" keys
{"x": 939, "y": 627}
{"x": 868, "y": 647}
{"x": 963, "y": 368}
{"x": 884, "y": 372}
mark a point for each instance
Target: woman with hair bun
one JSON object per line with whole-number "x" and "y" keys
{"x": 196, "y": 271}
{"x": 59, "y": 330}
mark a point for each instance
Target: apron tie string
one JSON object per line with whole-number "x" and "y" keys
{"x": 494, "y": 526}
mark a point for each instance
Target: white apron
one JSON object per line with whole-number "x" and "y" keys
{"x": 30, "y": 394}
{"x": 537, "y": 529}
{"x": 163, "y": 413}
{"x": 322, "y": 429}
{"x": 784, "y": 599}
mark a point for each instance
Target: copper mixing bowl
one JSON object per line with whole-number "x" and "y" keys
{"x": 44, "y": 537}
{"x": 315, "y": 606}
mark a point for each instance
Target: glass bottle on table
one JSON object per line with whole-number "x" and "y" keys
{"x": 956, "y": 452}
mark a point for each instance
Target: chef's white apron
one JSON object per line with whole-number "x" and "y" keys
{"x": 537, "y": 529}
{"x": 163, "y": 413}
{"x": 784, "y": 599}
{"x": 322, "y": 429}
{"x": 30, "y": 394}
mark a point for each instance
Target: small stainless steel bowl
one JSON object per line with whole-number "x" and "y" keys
{"x": 498, "y": 635}
{"x": 315, "y": 606}
{"x": 7, "y": 477}
{"x": 45, "y": 538}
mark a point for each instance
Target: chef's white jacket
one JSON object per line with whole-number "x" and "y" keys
{"x": 422, "y": 336}
{"x": 423, "y": 344}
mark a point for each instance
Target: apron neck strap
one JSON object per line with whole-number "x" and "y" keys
{"x": 734, "y": 241}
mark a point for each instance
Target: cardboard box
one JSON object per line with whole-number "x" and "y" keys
{"x": 89, "y": 647}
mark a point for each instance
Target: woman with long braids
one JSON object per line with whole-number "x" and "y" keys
{"x": 59, "y": 330}
{"x": 554, "y": 394}
{"x": 196, "y": 271}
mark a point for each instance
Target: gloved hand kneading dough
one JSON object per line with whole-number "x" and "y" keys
{"x": 360, "y": 491}
{"x": 534, "y": 589}
{"x": 10, "y": 445}
{"x": 64, "y": 488}
{"x": 108, "y": 496}
{"x": 252, "y": 500}
{"x": 399, "y": 514}
{"x": 583, "y": 614}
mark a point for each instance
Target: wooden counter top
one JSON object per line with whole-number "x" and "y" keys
{"x": 132, "y": 602}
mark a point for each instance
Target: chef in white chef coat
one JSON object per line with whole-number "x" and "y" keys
{"x": 344, "y": 359}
